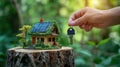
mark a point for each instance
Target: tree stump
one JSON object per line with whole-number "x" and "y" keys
{"x": 19, "y": 57}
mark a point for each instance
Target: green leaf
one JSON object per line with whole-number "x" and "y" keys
{"x": 85, "y": 52}
{"x": 1, "y": 53}
{"x": 79, "y": 60}
{"x": 103, "y": 41}
{"x": 115, "y": 60}
{"x": 107, "y": 61}
{"x": 91, "y": 43}
{"x": 97, "y": 60}
{"x": 99, "y": 65}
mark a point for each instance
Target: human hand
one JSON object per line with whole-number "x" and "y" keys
{"x": 87, "y": 18}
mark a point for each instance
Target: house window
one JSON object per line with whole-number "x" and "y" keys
{"x": 49, "y": 39}
{"x": 53, "y": 39}
{"x": 42, "y": 39}
{"x": 37, "y": 38}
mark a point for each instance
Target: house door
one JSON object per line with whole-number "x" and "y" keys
{"x": 33, "y": 40}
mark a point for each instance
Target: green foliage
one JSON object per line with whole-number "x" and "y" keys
{"x": 24, "y": 35}
{"x": 63, "y": 40}
{"x": 97, "y": 60}
{"x": 103, "y": 42}
{"x": 45, "y": 47}
{"x": 103, "y": 53}
{"x": 6, "y": 42}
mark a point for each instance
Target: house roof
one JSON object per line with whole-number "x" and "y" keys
{"x": 41, "y": 27}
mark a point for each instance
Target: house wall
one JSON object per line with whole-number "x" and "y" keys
{"x": 46, "y": 39}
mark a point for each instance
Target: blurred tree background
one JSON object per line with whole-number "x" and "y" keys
{"x": 97, "y": 48}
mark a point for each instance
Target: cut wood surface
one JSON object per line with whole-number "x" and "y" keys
{"x": 19, "y": 57}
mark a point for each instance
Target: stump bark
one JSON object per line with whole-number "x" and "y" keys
{"x": 19, "y": 57}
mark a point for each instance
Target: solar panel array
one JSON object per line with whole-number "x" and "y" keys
{"x": 41, "y": 27}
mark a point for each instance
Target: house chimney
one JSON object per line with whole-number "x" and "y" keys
{"x": 41, "y": 20}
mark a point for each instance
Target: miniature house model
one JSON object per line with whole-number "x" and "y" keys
{"x": 44, "y": 32}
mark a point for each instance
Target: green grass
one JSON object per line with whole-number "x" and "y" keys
{"x": 45, "y": 47}
{"x": 42, "y": 47}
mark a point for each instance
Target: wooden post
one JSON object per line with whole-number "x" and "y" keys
{"x": 19, "y": 57}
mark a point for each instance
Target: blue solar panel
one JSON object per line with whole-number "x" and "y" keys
{"x": 41, "y": 27}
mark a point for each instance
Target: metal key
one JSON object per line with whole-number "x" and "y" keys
{"x": 71, "y": 32}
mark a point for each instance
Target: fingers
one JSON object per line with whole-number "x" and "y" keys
{"x": 86, "y": 27}
{"x": 80, "y": 18}
{"x": 80, "y": 21}
{"x": 75, "y": 17}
